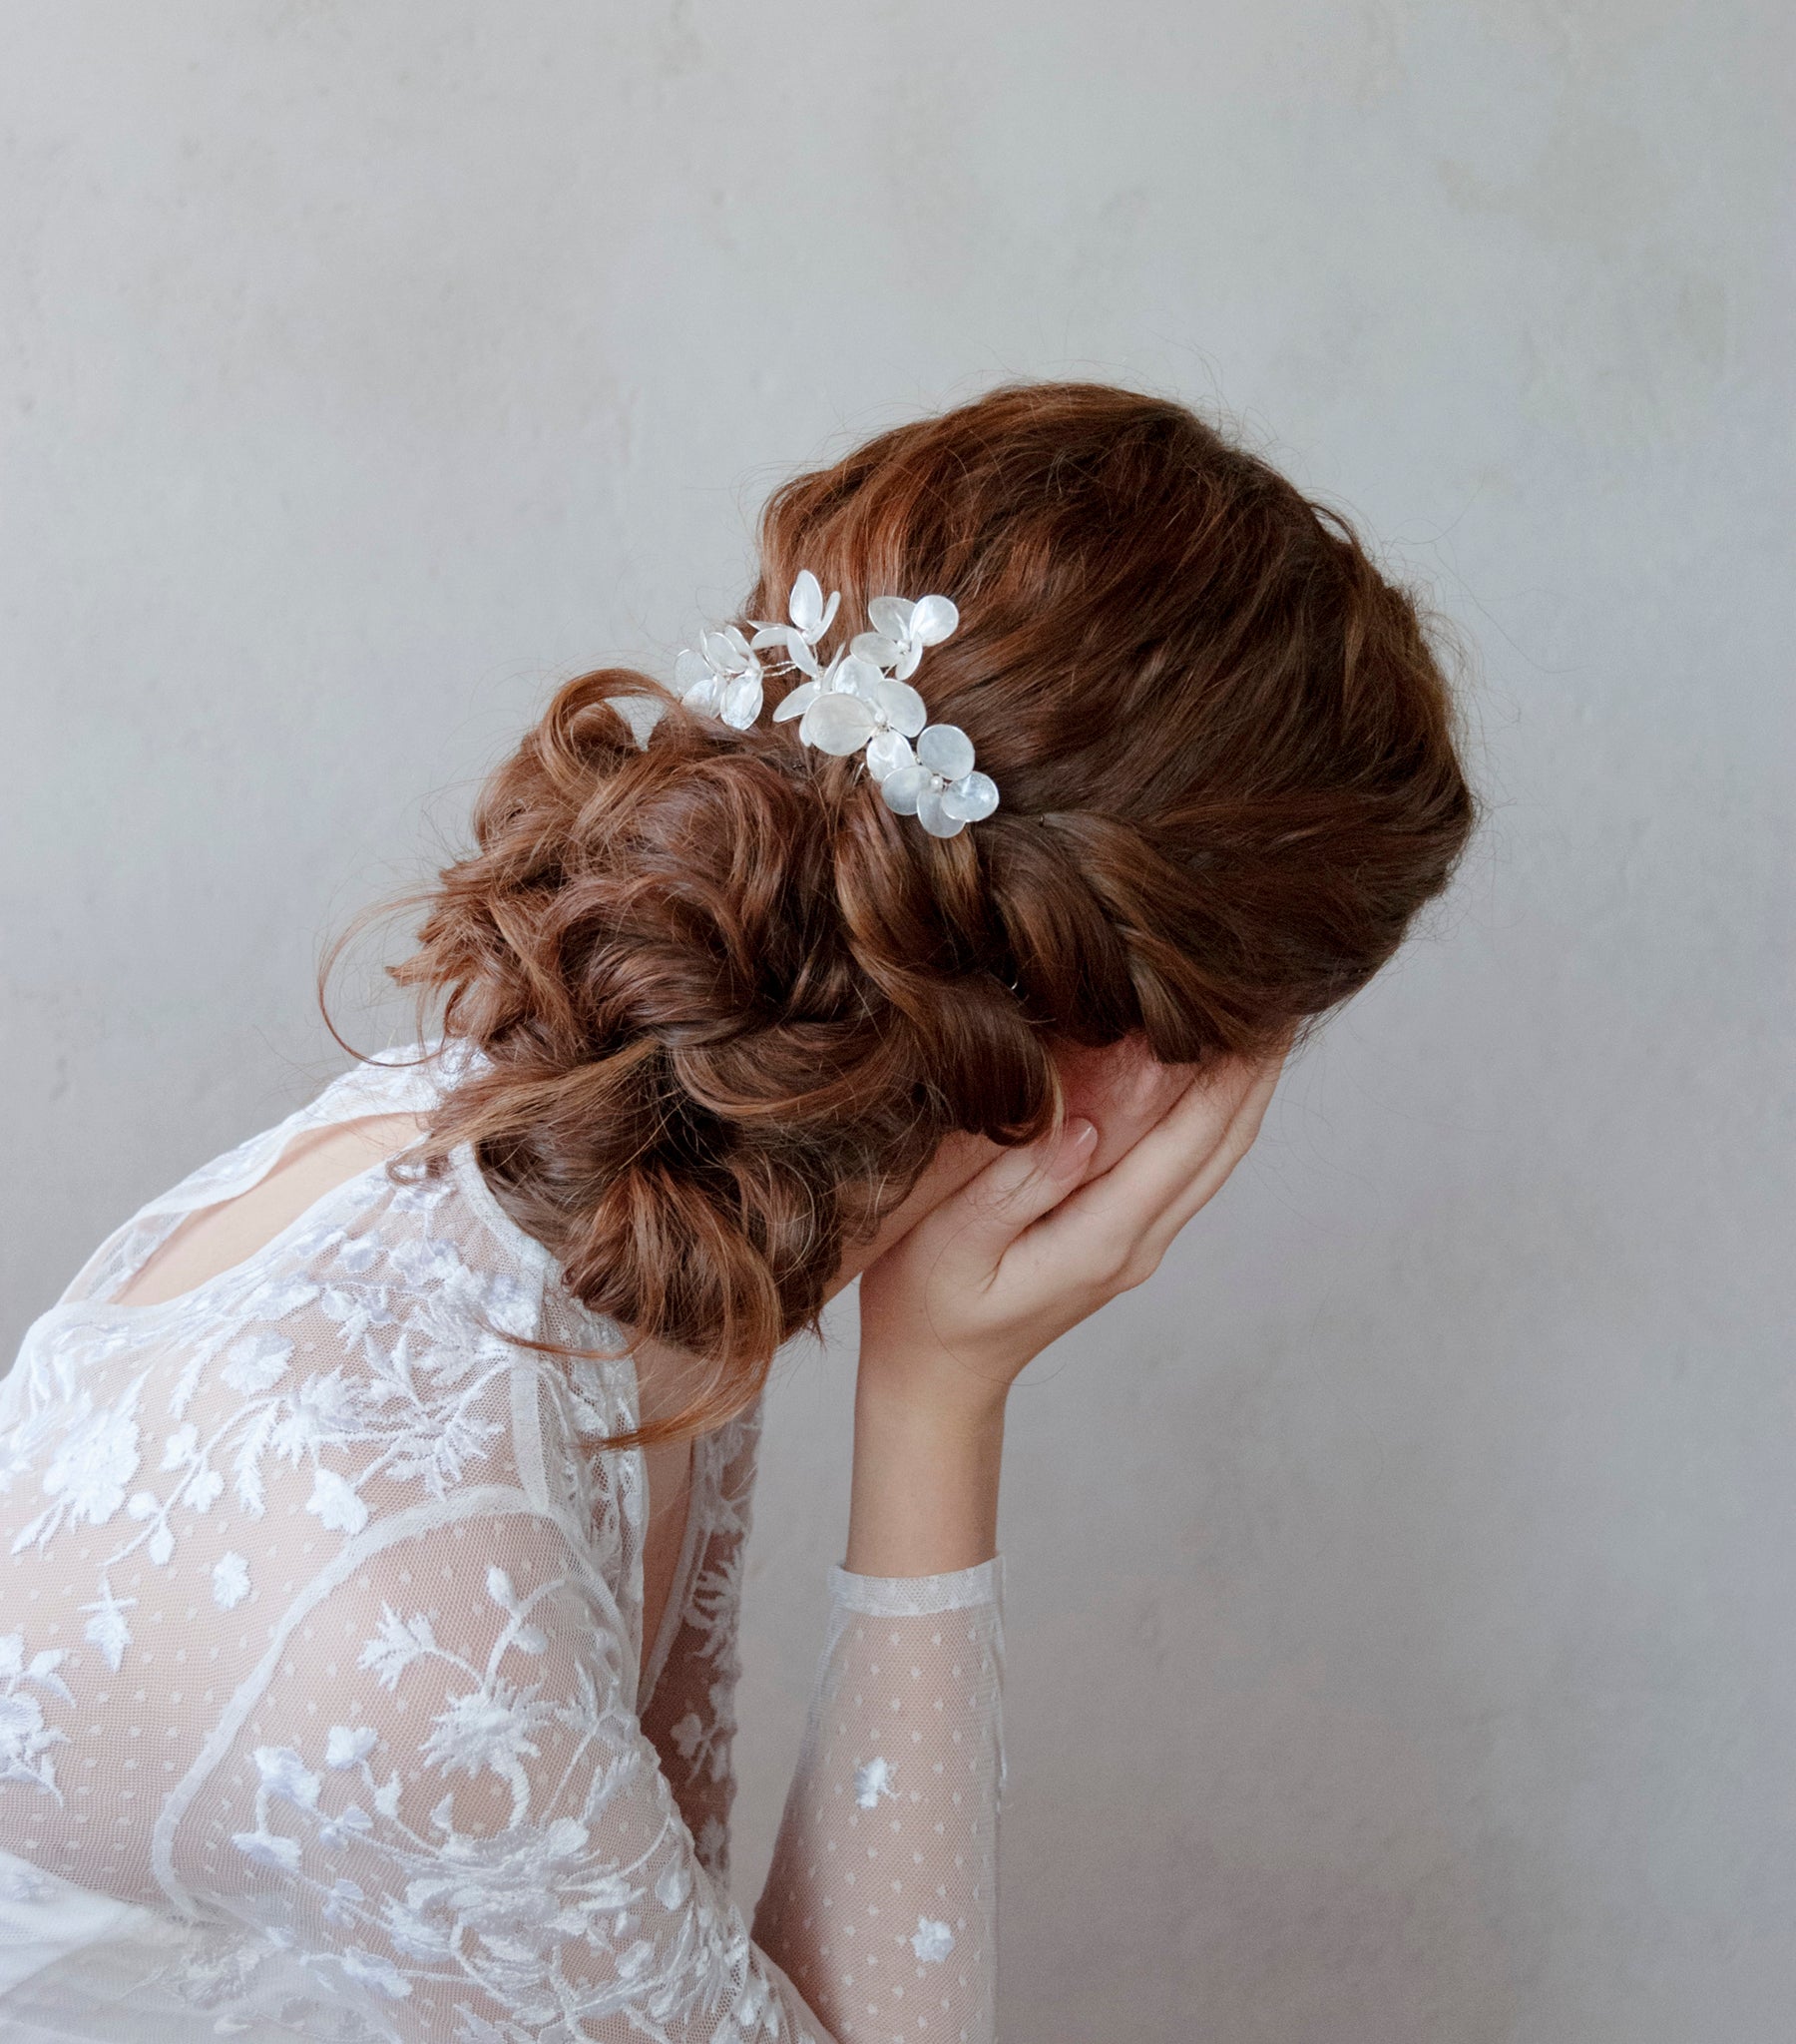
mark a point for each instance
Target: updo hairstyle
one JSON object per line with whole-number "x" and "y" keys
{"x": 730, "y": 1004}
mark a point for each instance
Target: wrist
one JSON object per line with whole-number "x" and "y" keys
{"x": 926, "y": 1475}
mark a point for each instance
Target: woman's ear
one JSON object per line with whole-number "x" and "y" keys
{"x": 1123, "y": 1088}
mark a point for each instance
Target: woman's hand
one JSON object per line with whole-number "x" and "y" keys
{"x": 1034, "y": 1244}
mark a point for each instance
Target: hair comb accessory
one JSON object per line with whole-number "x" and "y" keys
{"x": 862, "y": 701}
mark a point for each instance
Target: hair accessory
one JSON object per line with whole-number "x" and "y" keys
{"x": 862, "y": 701}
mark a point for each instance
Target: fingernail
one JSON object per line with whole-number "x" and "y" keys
{"x": 1080, "y": 1137}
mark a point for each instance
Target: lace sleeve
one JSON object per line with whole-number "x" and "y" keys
{"x": 881, "y": 1902}
{"x": 690, "y": 1714}
{"x": 444, "y": 1811}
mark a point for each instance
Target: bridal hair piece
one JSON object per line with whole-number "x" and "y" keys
{"x": 862, "y": 701}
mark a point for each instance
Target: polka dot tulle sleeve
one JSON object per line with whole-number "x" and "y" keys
{"x": 881, "y": 1905}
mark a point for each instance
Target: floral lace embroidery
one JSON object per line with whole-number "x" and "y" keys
{"x": 333, "y": 1670}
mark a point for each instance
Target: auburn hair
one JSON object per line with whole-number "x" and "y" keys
{"x": 729, "y": 1005}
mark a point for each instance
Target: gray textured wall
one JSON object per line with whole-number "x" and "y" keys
{"x": 1402, "y": 1644}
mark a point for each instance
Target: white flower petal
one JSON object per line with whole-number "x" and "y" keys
{"x": 934, "y": 619}
{"x": 742, "y": 701}
{"x": 888, "y": 752}
{"x": 858, "y": 677}
{"x": 901, "y": 707}
{"x": 770, "y": 635}
{"x": 934, "y": 818}
{"x": 803, "y": 655}
{"x": 909, "y": 660}
{"x": 971, "y": 799}
{"x": 689, "y": 670}
{"x": 740, "y": 656}
{"x": 892, "y": 616}
{"x": 946, "y": 749}
{"x": 720, "y": 655}
{"x": 903, "y": 790}
{"x": 798, "y": 701}
{"x": 829, "y": 610}
{"x": 838, "y": 724}
{"x": 877, "y": 647}
{"x": 705, "y": 697}
{"x": 805, "y": 604}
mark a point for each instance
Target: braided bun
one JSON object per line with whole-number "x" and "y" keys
{"x": 730, "y": 1004}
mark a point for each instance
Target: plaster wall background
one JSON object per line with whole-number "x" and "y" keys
{"x": 1400, "y": 1612}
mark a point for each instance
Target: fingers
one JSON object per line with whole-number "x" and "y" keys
{"x": 974, "y": 1228}
{"x": 1124, "y": 1088}
{"x": 1237, "y": 1139}
{"x": 1125, "y": 1218}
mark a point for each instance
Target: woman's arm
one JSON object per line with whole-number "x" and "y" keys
{"x": 881, "y": 1904}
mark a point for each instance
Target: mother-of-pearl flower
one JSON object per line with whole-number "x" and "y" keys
{"x": 862, "y": 701}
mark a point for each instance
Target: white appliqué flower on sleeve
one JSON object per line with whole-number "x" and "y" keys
{"x": 25, "y": 1739}
{"x": 338, "y": 1508}
{"x": 268, "y": 1848}
{"x": 872, "y": 1779}
{"x": 255, "y": 1363}
{"x": 229, "y": 1580}
{"x": 108, "y": 1628}
{"x": 286, "y": 1774}
{"x": 932, "y": 1940}
{"x": 86, "y": 1477}
{"x": 347, "y": 1745}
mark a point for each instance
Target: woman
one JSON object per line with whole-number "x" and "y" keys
{"x": 376, "y": 1498}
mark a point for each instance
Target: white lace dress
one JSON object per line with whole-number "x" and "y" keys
{"x": 325, "y": 1706}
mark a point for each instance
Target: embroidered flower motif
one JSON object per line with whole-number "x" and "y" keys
{"x": 286, "y": 1774}
{"x": 338, "y": 1508}
{"x": 722, "y": 678}
{"x": 268, "y": 1848}
{"x": 87, "y": 1475}
{"x": 932, "y": 1940}
{"x": 340, "y": 1904}
{"x": 348, "y": 1824}
{"x": 202, "y": 1491}
{"x": 811, "y": 617}
{"x": 229, "y": 1580}
{"x": 108, "y": 1628}
{"x": 25, "y": 1739}
{"x": 180, "y": 1447}
{"x": 397, "y": 1644}
{"x": 872, "y": 1779}
{"x": 368, "y": 1969}
{"x": 712, "y": 1842}
{"x": 255, "y": 1363}
{"x": 487, "y": 1730}
{"x": 348, "y": 1745}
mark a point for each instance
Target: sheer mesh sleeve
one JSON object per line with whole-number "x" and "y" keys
{"x": 690, "y": 1714}
{"x": 881, "y": 1904}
